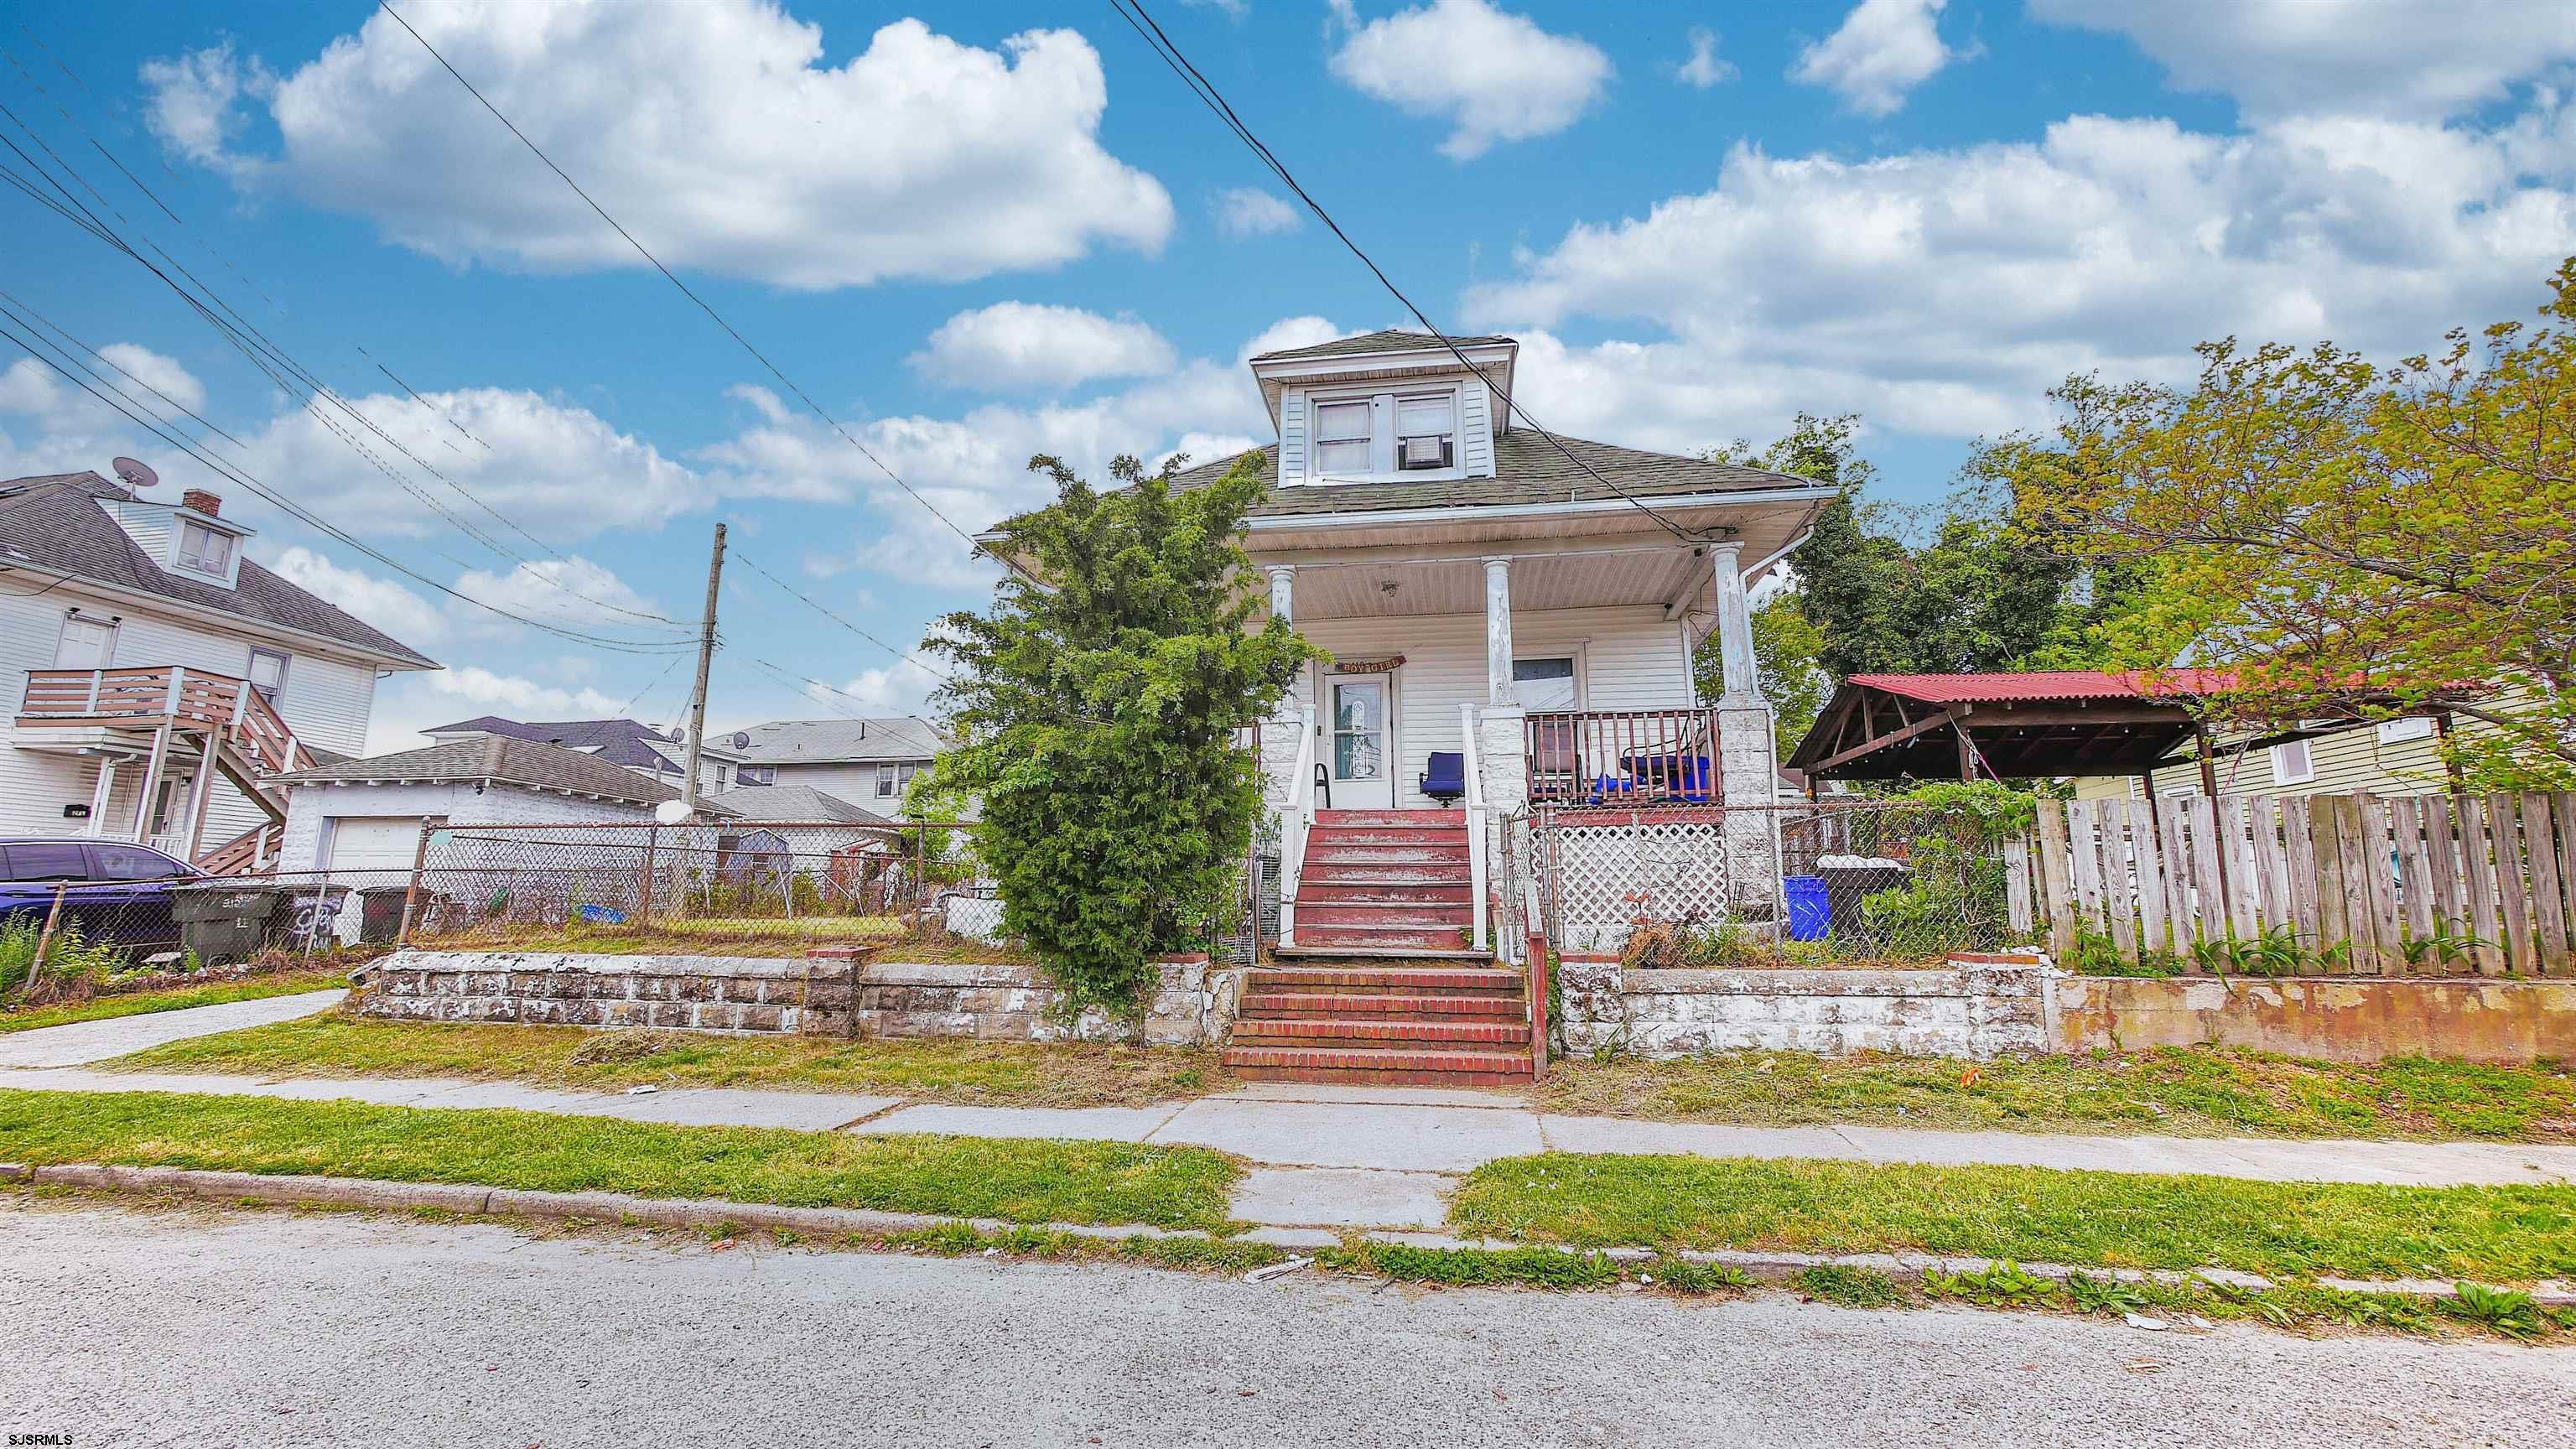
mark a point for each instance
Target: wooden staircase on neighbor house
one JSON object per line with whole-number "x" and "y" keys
{"x": 1382, "y": 982}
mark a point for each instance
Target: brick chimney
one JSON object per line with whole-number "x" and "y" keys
{"x": 209, "y": 504}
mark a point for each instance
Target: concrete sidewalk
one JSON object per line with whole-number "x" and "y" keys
{"x": 1325, "y": 1156}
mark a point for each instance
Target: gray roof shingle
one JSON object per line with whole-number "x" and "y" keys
{"x": 54, "y": 522}
{"x": 1385, "y": 339}
{"x": 1527, "y": 469}
{"x": 800, "y": 803}
{"x": 834, "y": 741}
{"x": 619, "y": 741}
{"x": 498, "y": 759}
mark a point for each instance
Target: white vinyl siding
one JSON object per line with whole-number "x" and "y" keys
{"x": 1628, "y": 658}
{"x": 2344, "y": 762}
{"x": 1476, "y": 431}
{"x": 327, "y": 703}
{"x": 1292, "y": 436}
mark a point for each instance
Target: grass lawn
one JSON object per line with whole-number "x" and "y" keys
{"x": 1024, "y": 1181}
{"x": 2104, "y": 1219}
{"x": 993, "y": 1073}
{"x": 139, "y": 1003}
{"x": 2184, "y": 1092}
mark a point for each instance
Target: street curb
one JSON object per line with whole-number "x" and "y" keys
{"x": 618, "y": 1207}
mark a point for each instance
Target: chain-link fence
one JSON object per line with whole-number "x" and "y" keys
{"x": 71, "y": 938}
{"x": 1804, "y": 884}
{"x": 566, "y": 886}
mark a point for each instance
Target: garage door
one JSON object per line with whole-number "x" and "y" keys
{"x": 374, "y": 842}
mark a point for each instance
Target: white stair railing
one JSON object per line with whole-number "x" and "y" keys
{"x": 1475, "y": 802}
{"x": 1297, "y": 820}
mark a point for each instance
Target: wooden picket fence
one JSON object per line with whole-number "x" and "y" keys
{"x": 2375, "y": 872}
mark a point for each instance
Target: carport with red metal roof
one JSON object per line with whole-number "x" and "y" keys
{"x": 2002, "y": 726}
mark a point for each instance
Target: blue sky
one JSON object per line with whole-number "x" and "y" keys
{"x": 975, "y": 232}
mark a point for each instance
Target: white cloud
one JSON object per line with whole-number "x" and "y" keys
{"x": 410, "y": 703}
{"x": 29, "y": 387}
{"x": 1882, "y": 50}
{"x": 571, "y": 591}
{"x": 1703, "y": 69}
{"x": 193, "y": 101}
{"x": 1494, "y": 76}
{"x": 1941, "y": 292}
{"x": 710, "y": 129}
{"x": 2368, "y": 57}
{"x": 380, "y": 602}
{"x": 557, "y": 470}
{"x": 160, "y": 374}
{"x": 1251, "y": 211}
{"x": 1012, "y": 346}
{"x": 898, "y": 688}
{"x": 1291, "y": 332}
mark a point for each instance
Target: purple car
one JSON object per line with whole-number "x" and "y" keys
{"x": 120, "y": 891}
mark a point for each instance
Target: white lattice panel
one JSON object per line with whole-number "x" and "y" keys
{"x": 1609, "y": 876}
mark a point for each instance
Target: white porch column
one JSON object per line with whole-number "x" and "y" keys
{"x": 1498, "y": 633}
{"x": 1735, "y": 627}
{"x": 1283, "y": 590}
{"x": 99, "y": 794}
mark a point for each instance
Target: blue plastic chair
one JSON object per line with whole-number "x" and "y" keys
{"x": 1446, "y": 780}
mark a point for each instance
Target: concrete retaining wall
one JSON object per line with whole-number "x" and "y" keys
{"x": 1192, "y": 1004}
{"x": 1977, "y": 1007}
{"x": 2343, "y": 1019}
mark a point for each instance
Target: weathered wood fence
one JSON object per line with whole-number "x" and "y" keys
{"x": 2378, "y": 873}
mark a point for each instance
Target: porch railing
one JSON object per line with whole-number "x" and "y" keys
{"x": 1475, "y": 812}
{"x": 1623, "y": 757}
{"x": 193, "y": 699}
{"x": 1295, "y": 821}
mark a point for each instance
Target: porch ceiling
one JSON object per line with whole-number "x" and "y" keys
{"x": 1640, "y": 575}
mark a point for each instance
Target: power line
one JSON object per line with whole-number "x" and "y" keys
{"x": 1144, "y": 24}
{"x": 155, "y": 426}
{"x": 829, "y": 614}
{"x": 640, "y": 250}
{"x": 243, "y": 335}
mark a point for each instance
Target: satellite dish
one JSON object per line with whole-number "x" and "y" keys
{"x": 134, "y": 472}
{"x": 672, "y": 812}
{"x": 741, "y": 740}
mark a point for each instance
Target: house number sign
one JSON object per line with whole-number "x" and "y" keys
{"x": 1368, "y": 666}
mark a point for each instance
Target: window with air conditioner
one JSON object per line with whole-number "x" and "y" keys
{"x": 205, "y": 550}
{"x": 1342, "y": 437}
{"x": 1426, "y": 432}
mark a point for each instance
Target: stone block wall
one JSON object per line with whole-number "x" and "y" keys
{"x": 1192, "y": 1004}
{"x": 1978, "y": 1007}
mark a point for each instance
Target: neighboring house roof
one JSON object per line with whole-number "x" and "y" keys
{"x": 801, "y": 803}
{"x": 1527, "y": 469}
{"x": 54, "y": 522}
{"x": 1385, "y": 339}
{"x": 498, "y": 760}
{"x": 835, "y": 741}
{"x": 631, "y": 743}
{"x": 2046, "y": 684}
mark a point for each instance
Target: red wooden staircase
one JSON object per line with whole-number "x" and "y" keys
{"x": 1382, "y": 983}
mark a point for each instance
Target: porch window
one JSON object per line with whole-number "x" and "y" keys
{"x": 1342, "y": 437}
{"x": 1426, "y": 432}
{"x": 1546, "y": 683}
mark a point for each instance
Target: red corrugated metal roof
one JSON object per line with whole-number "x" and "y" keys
{"x": 2043, "y": 684}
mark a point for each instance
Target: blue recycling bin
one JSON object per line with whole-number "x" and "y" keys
{"x": 1810, "y": 913}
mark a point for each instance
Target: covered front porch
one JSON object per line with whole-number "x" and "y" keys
{"x": 1493, "y": 679}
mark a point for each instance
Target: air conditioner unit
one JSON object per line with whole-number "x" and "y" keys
{"x": 1424, "y": 452}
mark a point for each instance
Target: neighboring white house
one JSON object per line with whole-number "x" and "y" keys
{"x": 364, "y": 816}
{"x": 867, "y": 762}
{"x": 157, "y": 680}
{"x": 1529, "y": 602}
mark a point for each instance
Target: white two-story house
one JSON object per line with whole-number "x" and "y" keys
{"x": 1511, "y": 617}
{"x": 157, "y": 679}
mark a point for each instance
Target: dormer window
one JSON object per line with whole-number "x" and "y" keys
{"x": 1342, "y": 437}
{"x": 1426, "y": 432}
{"x": 205, "y": 550}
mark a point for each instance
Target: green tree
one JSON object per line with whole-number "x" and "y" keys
{"x": 2349, "y": 538}
{"x": 1784, "y": 655}
{"x": 1096, "y": 716}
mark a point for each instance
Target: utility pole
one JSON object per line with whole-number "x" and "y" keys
{"x": 698, "y": 697}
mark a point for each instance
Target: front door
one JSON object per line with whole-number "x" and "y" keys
{"x": 1360, "y": 743}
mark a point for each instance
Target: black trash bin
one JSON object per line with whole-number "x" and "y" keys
{"x": 224, "y": 920}
{"x": 380, "y": 913}
{"x": 1846, "y": 886}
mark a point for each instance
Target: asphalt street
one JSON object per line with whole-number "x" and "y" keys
{"x": 127, "y": 1325}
